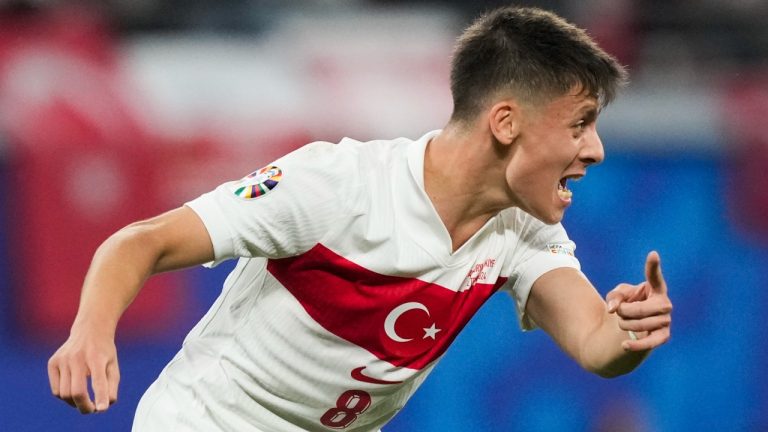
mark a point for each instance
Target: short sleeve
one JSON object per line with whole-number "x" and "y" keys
{"x": 540, "y": 248}
{"x": 282, "y": 209}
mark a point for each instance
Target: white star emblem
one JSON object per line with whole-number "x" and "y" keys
{"x": 430, "y": 332}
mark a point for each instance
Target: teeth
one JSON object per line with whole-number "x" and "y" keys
{"x": 562, "y": 190}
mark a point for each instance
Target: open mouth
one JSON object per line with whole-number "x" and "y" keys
{"x": 562, "y": 187}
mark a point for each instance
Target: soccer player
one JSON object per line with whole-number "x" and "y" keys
{"x": 360, "y": 262}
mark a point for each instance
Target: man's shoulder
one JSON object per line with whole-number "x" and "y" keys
{"x": 350, "y": 166}
{"x": 380, "y": 148}
{"x": 354, "y": 157}
{"x": 350, "y": 149}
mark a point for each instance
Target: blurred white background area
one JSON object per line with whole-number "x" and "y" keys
{"x": 354, "y": 73}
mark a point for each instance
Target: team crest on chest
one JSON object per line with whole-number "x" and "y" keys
{"x": 258, "y": 183}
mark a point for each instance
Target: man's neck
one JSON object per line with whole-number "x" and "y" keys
{"x": 464, "y": 179}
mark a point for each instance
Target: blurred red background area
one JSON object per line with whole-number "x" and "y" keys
{"x": 80, "y": 169}
{"x": 745, "y": 105}
{"x": 82, "y": 166}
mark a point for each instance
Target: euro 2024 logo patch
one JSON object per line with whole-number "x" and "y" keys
{"x": 560, "y": 249}
{"x": 258, "y": 183}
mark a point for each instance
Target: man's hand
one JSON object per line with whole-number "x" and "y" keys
{"x": 644, "y": 309}
{"x": 85, "y": 355}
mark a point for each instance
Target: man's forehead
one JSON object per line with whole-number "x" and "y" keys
{"x": 576, "y": 102}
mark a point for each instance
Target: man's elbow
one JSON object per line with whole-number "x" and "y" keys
{"x": 617, "y": 367}
{"x": 610, "y": 372}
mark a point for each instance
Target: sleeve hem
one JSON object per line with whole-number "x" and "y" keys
{"x": 215, "y": 224}
{"x": 535, "y": 268}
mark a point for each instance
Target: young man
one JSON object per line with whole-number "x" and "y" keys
{"x": 359, "y": 263}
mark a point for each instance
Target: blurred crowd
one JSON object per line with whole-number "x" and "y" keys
{"x": 707, "y": 58}
{"x": 707, "y": 35}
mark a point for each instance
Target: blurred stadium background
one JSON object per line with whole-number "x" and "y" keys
{"x": 116, "y": 110}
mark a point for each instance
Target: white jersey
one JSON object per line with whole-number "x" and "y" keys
{"x": 346, "y": 294}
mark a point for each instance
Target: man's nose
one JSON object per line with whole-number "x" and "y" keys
{"x": 592, "y": 152}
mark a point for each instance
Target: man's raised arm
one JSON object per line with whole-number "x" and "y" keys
{"x": 608, "y": 339}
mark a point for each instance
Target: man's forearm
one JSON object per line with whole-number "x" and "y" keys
{"x": 603, "y": 354}
{"x": 118, "y": 270}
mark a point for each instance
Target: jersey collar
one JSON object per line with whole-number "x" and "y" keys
{"x": 427, "y": 227}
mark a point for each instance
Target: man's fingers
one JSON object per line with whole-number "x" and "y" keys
{"x": 649, "y": 342}
{"x": 79, "y": 389}
{"x": 647, "y": 310}
{"x": 646, "y": 324}
{"x": 653, "y": 273}
{"x": 65, "y": 383}
{"x": 54, "y": 377}
{"x": 100, "y": 387}
{"x": 113, "y": 380}
{"x": 618, "y": 295}
{"x": 652, "y": 307}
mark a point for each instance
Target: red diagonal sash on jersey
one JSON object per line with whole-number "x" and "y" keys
{"x": 404, "y": 321}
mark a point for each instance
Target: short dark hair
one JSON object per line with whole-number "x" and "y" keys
{"x": 532, "y": 53}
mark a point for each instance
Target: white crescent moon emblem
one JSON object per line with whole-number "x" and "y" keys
{"x": 389, "y": 323}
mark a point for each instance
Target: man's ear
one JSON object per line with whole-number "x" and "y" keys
{"x": 504, "y": 121}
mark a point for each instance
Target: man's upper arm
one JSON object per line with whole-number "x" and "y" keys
{"x": 311, "y": 189}
{"x": 566, "y": 306}
{"x": 180, "y": 238}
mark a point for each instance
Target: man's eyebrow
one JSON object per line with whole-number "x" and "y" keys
{"x": 587, "y": 112}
